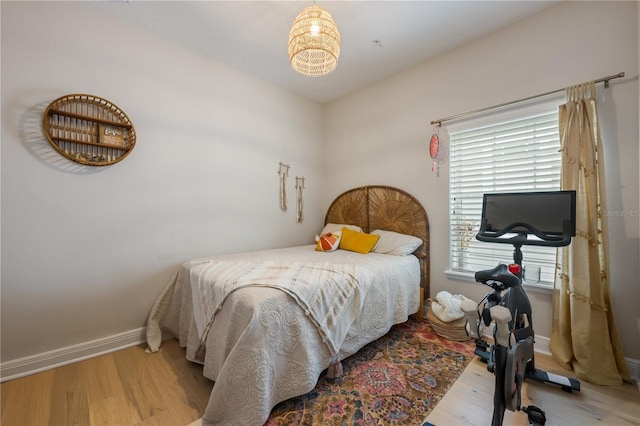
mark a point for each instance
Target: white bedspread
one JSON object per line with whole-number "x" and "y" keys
{"x": 261, "y": 348}
{"x": 330, "y": 294}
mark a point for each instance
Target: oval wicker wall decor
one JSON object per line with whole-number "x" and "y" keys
{"x": 88, "y": 130}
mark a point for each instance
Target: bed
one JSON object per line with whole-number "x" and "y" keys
{"x": 262, "y": 344}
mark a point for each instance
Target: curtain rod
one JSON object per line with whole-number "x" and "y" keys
{"x": 464, "y": 114}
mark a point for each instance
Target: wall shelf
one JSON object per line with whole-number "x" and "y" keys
{"x": 88, "y": 130}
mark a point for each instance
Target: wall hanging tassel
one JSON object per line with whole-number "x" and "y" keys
{"x": 434, "y": 147}
{"x": 283, "y": 171}
{"x": 437, "y": 149}
{"x": 299, "y": 188}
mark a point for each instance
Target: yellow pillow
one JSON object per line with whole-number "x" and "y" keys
{"x": 357, "y": 241}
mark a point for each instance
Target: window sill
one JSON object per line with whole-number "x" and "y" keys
{"x": 546, "y": 288}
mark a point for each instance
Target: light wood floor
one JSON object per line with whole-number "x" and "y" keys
{"x": 131, "y": 387}
{"x": 127, "y": 387}
{"x": 470, "y": 400}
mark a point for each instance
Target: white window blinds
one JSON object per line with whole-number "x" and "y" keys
{"x": 517, "y": 155}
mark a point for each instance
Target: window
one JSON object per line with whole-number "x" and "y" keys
{"x": 516, "y": 152}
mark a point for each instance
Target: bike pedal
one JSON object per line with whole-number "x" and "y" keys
{"x": 535, "y": 415}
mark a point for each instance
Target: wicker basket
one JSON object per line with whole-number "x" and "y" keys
{"x": 454, "y": 330}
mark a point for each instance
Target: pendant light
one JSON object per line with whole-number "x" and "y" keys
{"x": 314, "y": 42}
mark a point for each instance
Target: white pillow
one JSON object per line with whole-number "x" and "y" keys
{"x": 395, "y": 243}
{"x": 337, "y": 227}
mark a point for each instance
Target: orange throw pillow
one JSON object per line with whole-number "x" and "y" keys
{"x": 328, "y": 242}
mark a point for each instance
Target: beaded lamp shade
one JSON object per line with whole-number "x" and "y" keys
{"x": 314, "y": 42}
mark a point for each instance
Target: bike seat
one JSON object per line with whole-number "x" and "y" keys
{"x": 499, "y": 273}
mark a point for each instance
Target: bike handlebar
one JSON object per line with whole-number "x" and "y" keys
{"x": 548, "y": 240}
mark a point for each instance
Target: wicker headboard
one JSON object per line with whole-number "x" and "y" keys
{"x": 384, "y": 207}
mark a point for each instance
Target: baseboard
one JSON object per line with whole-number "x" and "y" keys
{"x": 70, "y": 354}
{"x": 541, "y": 345}
{"x": 47, "y": 360}
{"x": 633, "y": 365}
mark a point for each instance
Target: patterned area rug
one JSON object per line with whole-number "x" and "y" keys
{"x": 396, "y": 380}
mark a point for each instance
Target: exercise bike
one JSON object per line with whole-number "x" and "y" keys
{"x": 512, "y": 218}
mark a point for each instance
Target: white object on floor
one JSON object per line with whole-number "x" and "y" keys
{"x": 446, "y": 307}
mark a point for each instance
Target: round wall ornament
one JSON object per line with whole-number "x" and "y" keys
{"x": 434, "y": 146}
{"x": 437, "y": 149}
{"x": 88, "y": 130}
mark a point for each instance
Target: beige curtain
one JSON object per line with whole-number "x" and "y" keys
{"x": 584, "y": 337}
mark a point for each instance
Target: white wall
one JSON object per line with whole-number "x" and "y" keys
{"x": 86, "y": 250}
{"x": 380, "y": 134}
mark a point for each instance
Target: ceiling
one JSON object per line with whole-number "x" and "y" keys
{"x": 378, "y": 38}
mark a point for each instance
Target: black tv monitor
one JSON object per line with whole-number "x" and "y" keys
{"x": 546, "y": 212}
